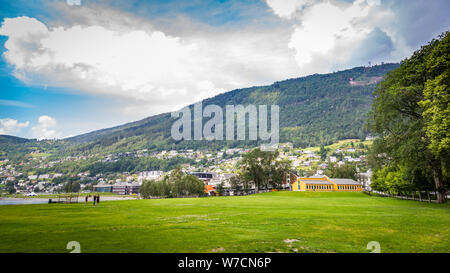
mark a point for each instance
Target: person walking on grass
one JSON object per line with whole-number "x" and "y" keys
{"x": 94, "y": 198}
{"x": 98, "y": 198}
{"x": 86, "y": 199}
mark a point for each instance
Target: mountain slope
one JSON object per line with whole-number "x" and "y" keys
{"x": 6, "y": 139}
{"x": 12, "y": 145}
{"x": 316, "y": 109}
{"x": 16, "y": 148}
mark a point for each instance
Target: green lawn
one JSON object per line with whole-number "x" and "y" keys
{"x": 38, "y": 155}
{"x": 315, "y": 222}
{"x": 340, "y": 144}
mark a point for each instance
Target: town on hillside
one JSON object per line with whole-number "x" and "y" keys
{"x": 341, "y": 166}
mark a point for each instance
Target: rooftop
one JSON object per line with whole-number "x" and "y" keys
{"x": 344, "y": 181}
{"x": 316, "y": 181}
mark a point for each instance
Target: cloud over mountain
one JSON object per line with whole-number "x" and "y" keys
{"x": 10, "y": 126}
{"x": 147, "y": 64}
{"x": 45, "y": 129}
{"x": 153, "y": 71}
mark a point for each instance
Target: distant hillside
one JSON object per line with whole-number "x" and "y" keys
{"x": 12, "y": 145}
{"x": 5, "y": 139}
{"x": 14, "y": 148}
{"x": 317, "y": 109}
{"x": 314, "y": 110}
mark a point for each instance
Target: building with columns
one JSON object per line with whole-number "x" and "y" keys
{"x": 326, "y": 184}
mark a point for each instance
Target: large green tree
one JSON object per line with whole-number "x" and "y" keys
{"x": 262, "y": 168}
{"x": 238, "y": 183}
{"x": 347, "y": 170}
{"x": 436, "y": 110}
{"x": 176, "y": 184}
{"x": 410, "y": 117}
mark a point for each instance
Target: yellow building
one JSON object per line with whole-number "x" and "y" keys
{"x": 326, "y": 184}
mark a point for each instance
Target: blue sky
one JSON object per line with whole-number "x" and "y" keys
{"x": 68, "y": 69}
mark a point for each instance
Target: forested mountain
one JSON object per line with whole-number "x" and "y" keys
{"x": 317, "y": 109}
{"x": 12, "y": 145}
{"x": 5, "y": 139}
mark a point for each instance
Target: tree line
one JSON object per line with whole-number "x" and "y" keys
{"x": 176, "y": 184}
{"x": 260, "y": 170}
{"x": 410, "y": 117}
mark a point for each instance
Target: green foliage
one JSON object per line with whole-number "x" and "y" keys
{"x": 9, "y": 188}
{"x": 278, "y": 170}
{"x": 238, "y": 183}
{"x": 314, "y": 110}
{"x": 220, "y": 188}
{"x": 177, "y": 184}
{"x": 390, "y": 179}
{"x": 262, "y": 169}
{"x": 17, "y": 149}
{"x": 347, "y": 170}
{"x": 406, "y": 124}
{"x": 94, "y": 166}
{"x": 133, "y": 165}
{"x": 71, "y": 186}
{"x": 437, "y": 98}
{"x": 324, "y": 152}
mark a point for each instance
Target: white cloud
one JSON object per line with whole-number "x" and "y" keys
{"x": 287, "y": 8}
{"x": 45, "y": 128}
{"x": 15, "y": 103}
{"x": 207, "y": 89}
{"x": 23, "y": 32}
{"x": 158, "y": 68}
{"x": 152, "y": 70}
{"x": 10, "y": 126}
{"x": 74, "y": 2}
{"x": 331, "y": 32}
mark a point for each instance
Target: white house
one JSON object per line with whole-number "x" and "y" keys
{"x": 44, "y": 176}
{"x": 149, "y": 175}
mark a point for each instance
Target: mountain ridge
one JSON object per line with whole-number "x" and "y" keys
{"x": 214, "y": 99}
{"x": 314, "y": 109}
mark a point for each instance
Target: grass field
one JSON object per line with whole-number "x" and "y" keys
{"x": 340, "y": 144}
{"x": 311, "y": 222}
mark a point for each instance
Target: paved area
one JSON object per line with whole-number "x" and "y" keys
{"x": 37, "y": 200}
